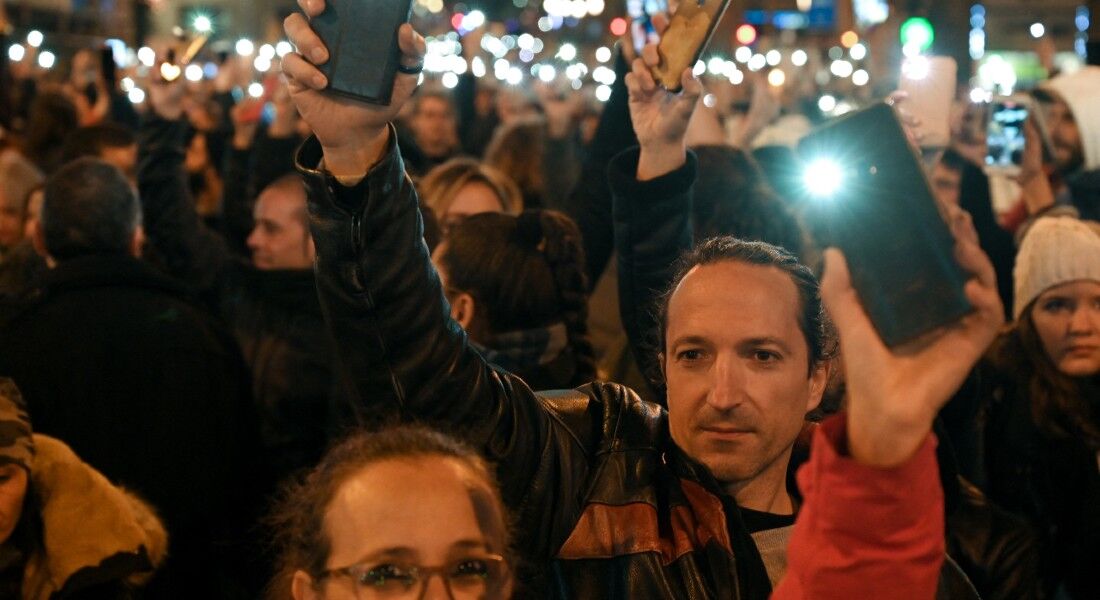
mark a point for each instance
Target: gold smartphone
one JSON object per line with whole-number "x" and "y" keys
{"x": 689, "y": 31}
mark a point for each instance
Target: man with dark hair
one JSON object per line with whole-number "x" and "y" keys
{"x": 113, "y": 143}
{"x": 270, "y": 301}
{"x": 432, "y": 136}
{"x": 616, "y": 497}
{"x": 115, "y": 360}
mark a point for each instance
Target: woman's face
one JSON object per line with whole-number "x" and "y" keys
{"x": 13, "y": 488}
{"x": 422, "y": 512}
{"x": 1067, "y": 318}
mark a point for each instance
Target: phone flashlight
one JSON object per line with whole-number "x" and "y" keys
{"x": 822, "y": 178}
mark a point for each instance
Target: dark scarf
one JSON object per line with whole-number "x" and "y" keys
{"x": 519, "y": 351}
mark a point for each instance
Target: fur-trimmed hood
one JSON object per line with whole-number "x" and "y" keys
{"x": 93, "y": 532}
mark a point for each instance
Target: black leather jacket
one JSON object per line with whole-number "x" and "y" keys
{"x": 605, "y": 504}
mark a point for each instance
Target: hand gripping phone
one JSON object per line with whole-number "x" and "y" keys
{"x": 361, "y": 37}
{"x": 867, "y": 195}
{"x": 689, "y": 31}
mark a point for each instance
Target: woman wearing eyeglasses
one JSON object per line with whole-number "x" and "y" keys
{"x": 403, "y": 513}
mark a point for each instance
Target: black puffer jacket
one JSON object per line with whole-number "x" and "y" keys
{"x": 274, "y": 315}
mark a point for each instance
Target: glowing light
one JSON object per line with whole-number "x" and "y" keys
{"x": 777, "y": 78}
{"x": 449, "y": 80}
{"x": 849, "y": 39}
{"x": 715, "y": 65}
{"x": 745, "y": 35}
{"x": 547, "y": 73}
{"x": 978, "y": 95}
{"x": 841, "y": 68}
{"x": 256, "y": 90}
{"x": 603, "y": 54}
{"x": 743, "y": 54}
{"x": 799, "y": 58}
{"x": 193, "y": 73}
{"x": 917, "y": 32}
{"x": 567, "y": 52}
{"x": 822, "y": 177}
{"x": 262, "y": 64}
{"x": 245, "y": 47}
{"x": 603, "y": 93}
{"x": 136, "y": 95}
{"x": 16, "y": 53}
{"x": 515, "y": 76}
{"x": 1037, "y": 30}
{"x": 618, "y": 26}
{"x": 170, "y": 72}
{"x": 34, "y": 38}
{"x": 46, "y": 60}
{"x": 709, "y": 101}
{"x": 283, "y": 48}
{"x": 267, "y": 51}
{"x": 757, "y": 62}
{"x": 477, "y": 67}
{"x": 473, "y": 20}
{"x": 737, "y": 77}
{"x": 826, "y": 103}
{"x": 915, "y": 68}
{"x": 203, "y": 24}
{"x": 858, "y": 52}
{"x": 861, "y": 77}
{"x": 146, "y": 56}
{"x": 774, "y": 57}
{"x": 699, "y": 68}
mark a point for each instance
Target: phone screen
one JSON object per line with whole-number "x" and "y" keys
{"x": 1005, "y": 135}
{"x": 641, "y": 13}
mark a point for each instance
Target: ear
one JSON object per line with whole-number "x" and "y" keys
{"x": 301, "y": 587}
{"x": 819, "y": 379}
{"x": 463, "y": 310}
{"x": 38, "y": 240}
{"x": 137, "y": 243}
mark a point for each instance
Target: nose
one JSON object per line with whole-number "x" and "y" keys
{"x": 727, "y": 383}
{"x": 1085, "y": 320}
{"x": 253, "y": 240}
{"x": 435, "y": 588}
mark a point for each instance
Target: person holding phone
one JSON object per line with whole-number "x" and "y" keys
{"x": 615, "y": 497}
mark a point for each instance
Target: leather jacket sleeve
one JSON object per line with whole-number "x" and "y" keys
{"x": 652, "y": 229}
{"x": 406, "y": 358}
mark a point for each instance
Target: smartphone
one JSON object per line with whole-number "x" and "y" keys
{"x": 867, "y": 195}
{"x": 641, "y": 13}
{"x": 1004, "y": 136}
{"x": 930, "y": 82}
{"x": 361, "y": 36}
{"x": 689, "y": 31}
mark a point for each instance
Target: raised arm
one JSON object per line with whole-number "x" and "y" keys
{"x": 190, "y": 250}
{"x": 383, "y": 300}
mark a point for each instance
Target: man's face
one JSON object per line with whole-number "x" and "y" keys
{"x": 434, "y": 126}
{"x": 1069, "y": 153}
{"x": 11, "y": 221}
{"x": 124, "y": 158}
{"x": 280, "y": 238}
{"x": 945, "y": 184}
{"x": 737, "y": 370}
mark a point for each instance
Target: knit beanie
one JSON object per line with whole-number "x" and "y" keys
{"x": 16, "y": 442}
{"x": 1055, "y": 251}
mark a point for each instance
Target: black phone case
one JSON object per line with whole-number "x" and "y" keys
{"x": 885, "y": 219}
{"x": 361, "y": 36}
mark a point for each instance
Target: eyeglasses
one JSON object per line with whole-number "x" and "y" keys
{"x": 469, "y": 578}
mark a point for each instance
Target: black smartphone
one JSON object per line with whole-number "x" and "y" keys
{"x": 361, "y": 36}
{"x": 868, "y": 196}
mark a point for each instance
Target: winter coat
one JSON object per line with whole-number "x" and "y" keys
{"x": 274, "y": 315}
{"x": 113, "y": 358}
{"x": 95, "y": 536}
{"x": 1051, "y": 482}
{"x": 606, "y": 505}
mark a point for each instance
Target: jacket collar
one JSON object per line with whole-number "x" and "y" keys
{"x": 97, "y": 271}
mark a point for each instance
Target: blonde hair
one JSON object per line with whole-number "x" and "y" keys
{"x": 440, "y": 186}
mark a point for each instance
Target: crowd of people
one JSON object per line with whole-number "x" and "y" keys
{"x": 493, "y": 343}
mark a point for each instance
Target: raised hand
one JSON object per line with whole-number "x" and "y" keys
{"x": 660, "y": 117}
{"x": 352, "y": 134}
{"x": 895, "y": 394}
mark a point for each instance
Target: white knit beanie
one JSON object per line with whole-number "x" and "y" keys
{"x": 1055, "y": 251}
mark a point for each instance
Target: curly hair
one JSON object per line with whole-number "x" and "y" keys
{"x": 297, "y": 521}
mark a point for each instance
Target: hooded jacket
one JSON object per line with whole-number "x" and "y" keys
{"x": 93, "y": 533}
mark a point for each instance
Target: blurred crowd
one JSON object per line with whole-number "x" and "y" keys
{"x": 300, "y": 346}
